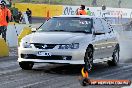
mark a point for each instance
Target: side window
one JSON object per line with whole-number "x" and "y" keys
{"x": 97, "y": 24}
{"x": 107, "y": 26}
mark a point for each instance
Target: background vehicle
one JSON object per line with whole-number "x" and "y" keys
{"x": 70, "y": 40}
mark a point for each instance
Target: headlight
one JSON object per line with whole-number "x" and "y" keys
{"x": 69, "y": 46}
{"x": 74, "y": 45}
{"x": 25, "y": 45}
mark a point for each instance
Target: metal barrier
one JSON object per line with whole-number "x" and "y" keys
{"x": 13, "y": 31}
{"x": 24, "y": 32}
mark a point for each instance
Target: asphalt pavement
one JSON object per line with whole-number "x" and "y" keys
{"x": 55, "y": 75}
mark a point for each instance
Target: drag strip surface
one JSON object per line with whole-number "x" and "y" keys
{"x": 56, "y": 76}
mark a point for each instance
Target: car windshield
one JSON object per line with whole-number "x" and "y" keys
{"x": 67, "y": 24}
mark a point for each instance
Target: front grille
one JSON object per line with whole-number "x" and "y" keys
{"x": 44, "y": 46}
{"x": 53, "y": 57}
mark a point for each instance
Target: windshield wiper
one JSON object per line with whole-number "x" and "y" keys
{"x": 57, "y": 30}
{"x": 80, "y": 31}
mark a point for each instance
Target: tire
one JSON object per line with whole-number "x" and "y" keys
{"x": 115, "y": 56}
{"x": 88, "y": 59}
{"x": 26, "y": 65}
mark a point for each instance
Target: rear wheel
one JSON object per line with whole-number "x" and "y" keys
{"x": 88, "y": 59}
{"x": 26, "y": 65}
{"x": 115, "y": 60}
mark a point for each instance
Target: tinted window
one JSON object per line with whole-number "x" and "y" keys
{"x": 66, "y": 24}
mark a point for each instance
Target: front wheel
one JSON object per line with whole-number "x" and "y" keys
{"x": 26, "y": 65}
{"x": 115, "y": 60}
{"x": 88, "y": 59}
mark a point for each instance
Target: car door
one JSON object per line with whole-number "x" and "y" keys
{"x": 111, "y": 43}
{"x": 99, "y": 40}
{"x": 111, "y": 38}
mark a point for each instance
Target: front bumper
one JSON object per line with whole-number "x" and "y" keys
{"x": 75, "y": 56}
{"x": 51, "y": 61}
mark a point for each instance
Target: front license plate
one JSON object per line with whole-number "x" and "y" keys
{"x": 44, "y": 54}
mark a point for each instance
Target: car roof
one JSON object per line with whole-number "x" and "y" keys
{"x": 80, "y": 16}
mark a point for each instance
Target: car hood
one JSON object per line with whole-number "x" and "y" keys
{"x": 57, "y": 37}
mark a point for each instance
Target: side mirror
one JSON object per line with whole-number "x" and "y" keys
{"x": 47, "y": 18}
{"x": 98, "y": 32}
{"x": 34, "y": 29}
